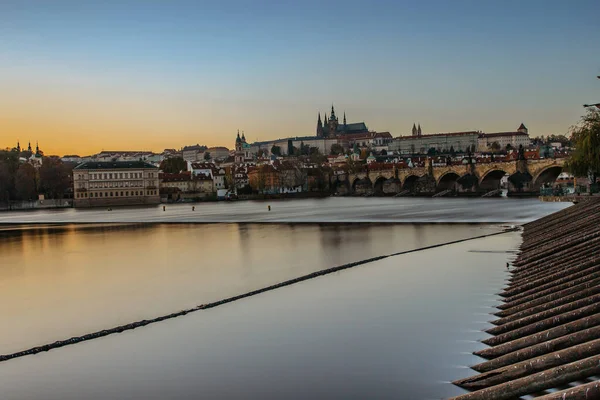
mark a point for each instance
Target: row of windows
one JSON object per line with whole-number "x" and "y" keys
{"x": 119, "y": 175}
{"x": 98, "y": 185}
{"x": 116, "y": 194}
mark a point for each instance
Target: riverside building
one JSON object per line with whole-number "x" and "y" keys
{"x": 98, "y": 184}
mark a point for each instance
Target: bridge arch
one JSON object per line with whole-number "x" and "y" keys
{"x": 546, "y": 175}
{"x": 378, "y": 185}
{"x": 410, "y": 182}
{"x": 362, "y": 186}
{"x": 490, "y": 180}
{"x": 447, "y": 181}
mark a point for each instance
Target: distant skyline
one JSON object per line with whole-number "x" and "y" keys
{"x": 80, "y": 77}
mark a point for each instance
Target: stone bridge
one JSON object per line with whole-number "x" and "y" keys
{"x": 466, "y": 178}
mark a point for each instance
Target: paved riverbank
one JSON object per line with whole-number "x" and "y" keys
{"x": 546, "y": 339}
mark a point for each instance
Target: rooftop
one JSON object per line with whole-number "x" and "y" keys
{"x": 115, "y": 165}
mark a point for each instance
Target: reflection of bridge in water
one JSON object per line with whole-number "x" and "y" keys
{"x": 524, "y": 177}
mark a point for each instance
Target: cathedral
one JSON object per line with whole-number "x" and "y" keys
{"x": 330, "y": 127}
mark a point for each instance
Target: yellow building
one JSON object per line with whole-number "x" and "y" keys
{"x": 115, "y": 183}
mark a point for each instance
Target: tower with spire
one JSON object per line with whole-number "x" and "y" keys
{"x": 29, "y": 148}
{"x": 242, "y": 149}
{"x": 332, "y": 124}
{"x": 331, "y": 127}
{"x": 18, "y": 147}
{"x": 419, "y": 130}
{"x": 319, "y": 127}
{"x": 414, "y": 130}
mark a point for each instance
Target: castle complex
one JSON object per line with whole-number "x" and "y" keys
{"x": 331, "y": 127}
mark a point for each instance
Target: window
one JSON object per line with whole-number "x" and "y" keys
{"x": 120, "y": 175}
{"x": 100, "y": 194}
{"x": 104, "y": 176}
{"x": 121, "y": 194}
{"x": 111, "y": 194}
{"x": 126, "y": 193}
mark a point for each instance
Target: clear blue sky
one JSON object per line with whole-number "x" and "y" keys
{"x": 155, "y": 74}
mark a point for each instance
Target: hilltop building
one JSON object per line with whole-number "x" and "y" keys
{"x": 331, "y": 127}
{"x": 418, "y": 143}
{"x": 515, "y": 139}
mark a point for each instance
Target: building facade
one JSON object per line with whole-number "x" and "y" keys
{"x": 97, "y": 184}
{"x": 514, "y": 139}
{"x": 193, "y": 153}
{"x": 420, "y": 144}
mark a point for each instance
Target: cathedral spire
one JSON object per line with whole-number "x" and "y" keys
{"x": 344, "y": 117}
{"x": 37, "y": 147}
{"x": 332, "y": 116}
{"x": 419, "y": 130}
{"x": 319, "y": 123}
{"x": 29, "y": 147}
{"x": 414, "y": 130}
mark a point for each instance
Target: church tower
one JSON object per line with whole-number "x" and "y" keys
{"x": 414, "y": 130}
{"x": 29, "y": 147}
{"x": 419, "y": 130}
{"x": 319, "y": 127}
{"x": 18, "y": 147}
{"x": 333, "y": 123}
{"x": 239, "y": 151}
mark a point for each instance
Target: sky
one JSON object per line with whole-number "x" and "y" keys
{"x": 85, "y": 76}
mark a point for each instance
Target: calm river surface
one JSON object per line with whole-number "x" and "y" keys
{"x": 401, "y": 327}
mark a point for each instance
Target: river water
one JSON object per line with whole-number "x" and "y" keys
{"x": 401, "y": 327}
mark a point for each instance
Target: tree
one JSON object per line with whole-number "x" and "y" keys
{"x": 508, "y": 147}
{"x": 432, "y": 151}
{"x": 336, "y": 149}
{"x": 9, "y": 164}
{"x": 261, "y": 178}
{"x": 276, "y": 150}
{"x": 585, "y": 159}
{"x": 206, "y": 156}
{"x": 25, "y": 182}
{"x": 304, "y": 149}
{"x": 495, "y": 146}
{"x": 452, "y": 151}
{"x": 412, "y": 149}
{"x": 173, "y": 165}
{"x": 55, "y": 178}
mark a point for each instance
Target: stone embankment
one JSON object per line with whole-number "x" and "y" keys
{"x": 547, "y": 340}
{"x": 139, "y": 324}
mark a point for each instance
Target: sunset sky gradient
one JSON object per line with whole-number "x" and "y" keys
{"x": 147, "y": 75}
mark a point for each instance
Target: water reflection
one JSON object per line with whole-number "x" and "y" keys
{"x": 402, "y": 327}
{"x": 61, "y": 281}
